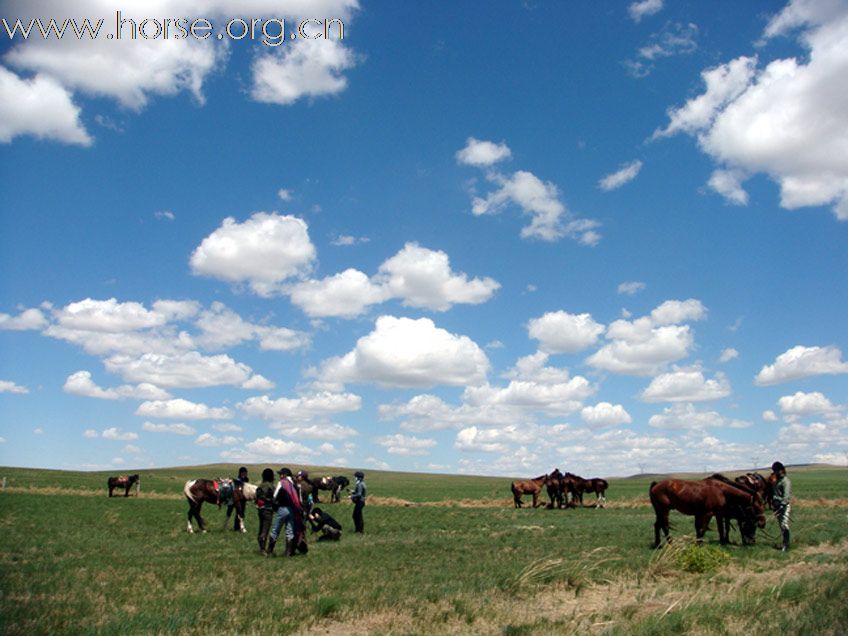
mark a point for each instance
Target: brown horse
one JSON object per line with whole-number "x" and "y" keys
{"x": 701, "y": 499}
{"x": 126, "y": 482}
{"x": 746, "y": 525}
{"x": 581, "y": 486}
{"x": 216, "y": 491}
{"x": 528, "y": 487}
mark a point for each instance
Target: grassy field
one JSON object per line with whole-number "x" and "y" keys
{"x": 442, "y": 553}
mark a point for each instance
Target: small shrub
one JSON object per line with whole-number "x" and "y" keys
{"x": 327, "y": 606}
{"x": 701, "y": 558}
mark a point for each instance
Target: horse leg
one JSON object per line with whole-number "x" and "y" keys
{"x": 200, "y": 522}
{"x": 660, "y": 524}
{"x": 188, "y": 517}
{"x": 127, "y": 492}
{"x": 722, "y": 522}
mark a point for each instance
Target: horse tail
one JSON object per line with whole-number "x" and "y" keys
{"x": 187, "y": 490}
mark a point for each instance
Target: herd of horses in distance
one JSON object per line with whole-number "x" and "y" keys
{"x": 743, "y": 500}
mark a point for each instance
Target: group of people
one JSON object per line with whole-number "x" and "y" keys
{"x": 282, "y": 508}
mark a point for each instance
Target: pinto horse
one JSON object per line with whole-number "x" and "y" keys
{"x": 248, "y": 492}
{"x": 218, "y": 491}
{"x": 124, "y": 481}
{"x": 701, "y": 499}
{"x": 528, "y": 487}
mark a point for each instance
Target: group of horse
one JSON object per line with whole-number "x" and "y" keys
{"x": 563, "y": 489}
{"x": 235, "y": 494}
{"x": 742, "y": 500}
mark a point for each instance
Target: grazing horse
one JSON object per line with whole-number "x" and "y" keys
{"x": 341, "y": 482}
{"x": 746, "y": 525}
{"x": 528, "y": 487}
{"x": 124, "y": 481}
{"x": 221, "y": 491}
{"x": 701, "y": 499}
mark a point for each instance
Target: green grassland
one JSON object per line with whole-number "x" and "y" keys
{"x": 441, "y": 553}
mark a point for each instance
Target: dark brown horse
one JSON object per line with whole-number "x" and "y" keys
{"x": 701, "y": 499}
{"x": 595, "y": 485}
{"x": 215, "y": 491}
{"x": 527, "y": 487}
{"x": 763, "y": 485}
{"x": 746, "y": 525}
{"x": 124, "y": 481}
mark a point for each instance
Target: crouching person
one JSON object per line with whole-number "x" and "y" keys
{"x": 330, "y": 529}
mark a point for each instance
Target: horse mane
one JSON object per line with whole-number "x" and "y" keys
{"x": 743, "y": 487}
{"x": 540, "y": 478}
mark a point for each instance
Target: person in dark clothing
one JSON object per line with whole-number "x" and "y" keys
{"x": 781, "y": 501}
{"x": 330, "y": 529}
{"x": 265, "y": 508}
{"x": 358, "y": 499}
{"x": 240, "y": 480}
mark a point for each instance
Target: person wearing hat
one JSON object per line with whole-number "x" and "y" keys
{"x": 358, "y": 499}
{"x": 289, "y": 513}
{"x": 781, "y": 501}
{"x": 265, "y": 508}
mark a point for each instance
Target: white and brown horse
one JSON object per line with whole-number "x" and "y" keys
{"x": 215, "y": 491}
{"x": 248, "y": 492}
{"x": 126, "y": 482}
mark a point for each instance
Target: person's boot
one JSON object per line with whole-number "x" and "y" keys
{"x": 785, "y": 541}
{"x": 271, "y": 544}
{"x": 290, "y": 547}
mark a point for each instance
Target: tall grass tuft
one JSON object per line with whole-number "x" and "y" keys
{"x": 687, "y": 554}
{"x": 574, "y": 572}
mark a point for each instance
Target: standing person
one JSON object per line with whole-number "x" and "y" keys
{"x": 358, "y": 499}
{"x": 330, "y": 529}
{"x": 240, "y": 481}
{"x": 289, "y": 512}
{"x": 265, "y": 508}
{"x": 781, "y": 501}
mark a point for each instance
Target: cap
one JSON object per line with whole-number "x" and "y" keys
{"x": 285, "y": 471}
{"x": 359, "y": 474}
{"x": 776, "y": 467}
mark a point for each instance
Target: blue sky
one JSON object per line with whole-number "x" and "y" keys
{"x": 491, "y": 238}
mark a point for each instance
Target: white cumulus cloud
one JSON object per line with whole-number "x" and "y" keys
{"x": 686, "y": 385}
{"x": 605, "y": 414}
{"x": 562, "y": 332}
{"x": 482, "y": 153}
{"x": 403, "y": 352}
{"x": 179, "y": 408}
{"x": 263, "y": 252}
{"x": 802, "y": 362}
